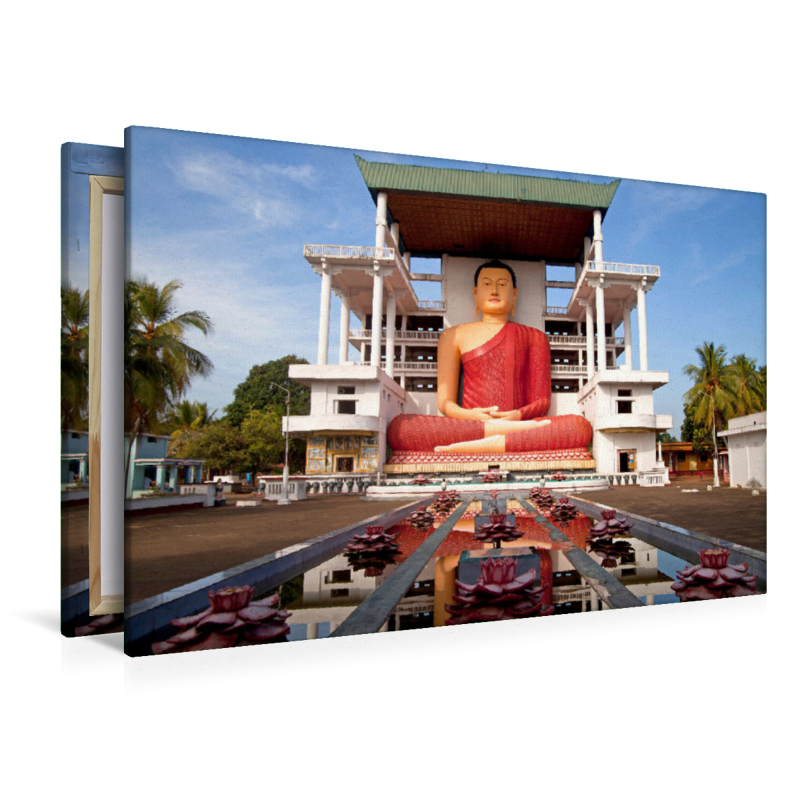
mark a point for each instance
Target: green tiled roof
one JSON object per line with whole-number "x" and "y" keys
{"x": 486, "y": 185}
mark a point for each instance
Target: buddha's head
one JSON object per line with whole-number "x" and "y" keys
{"x": 495, "y": 289}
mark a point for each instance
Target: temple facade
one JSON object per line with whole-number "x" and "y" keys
{"x": 550, "y": 232}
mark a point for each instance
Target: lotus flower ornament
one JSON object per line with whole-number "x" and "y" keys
{"x": 232, "y": 618}
{"x": 499, "y": 594}
{"x": 499, "y": 529}
{"x": 610, "y": 526}
{"x": 712, "y": 578}
{"x": 421, "y": 518}
{"x": 372, "y": 550}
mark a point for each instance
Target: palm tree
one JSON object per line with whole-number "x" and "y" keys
{"x": 750, "y": 385}
{"x": 190, "y": 416}
{"x": 159, "y": 363}
{"x": 713, "y": 397}
{"x": 74, "y": 358}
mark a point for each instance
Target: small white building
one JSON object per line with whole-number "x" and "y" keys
{"x": 747, "y": 450}
{"x": 463, "y": 218}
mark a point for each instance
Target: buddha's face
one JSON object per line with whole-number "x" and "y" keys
{"x": 495, "y": 293}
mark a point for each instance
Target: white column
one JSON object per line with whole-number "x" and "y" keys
{"x": 324, "y": 316}
{"x": 578, "y": 268}
{"x": 626, "y": 323}
{"x": 395, "y": 229}
{"x": 344, "y": 327}
{"x": 587, "y": 247}
{"x": 380, "y": 221}
{"x": 598, "y": 236}
{"x": 391, "y": 313}
{"x": 363, "y": 352}
{"x": 640, "y": 289}
{"x": 590, "y": 339}
{"x": 599, "y": 296}
{"x": 377, "y": 315}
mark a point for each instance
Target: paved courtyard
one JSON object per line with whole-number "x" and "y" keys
{"x": 168, "y": 550}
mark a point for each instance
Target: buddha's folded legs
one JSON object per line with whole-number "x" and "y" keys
{"x": 428, "y": 433}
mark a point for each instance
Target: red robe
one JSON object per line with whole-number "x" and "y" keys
{"x": 510, "y": 371}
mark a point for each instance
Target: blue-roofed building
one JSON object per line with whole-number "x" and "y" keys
{"x": 151, "y": 469}
{"x": 74, "y": 458}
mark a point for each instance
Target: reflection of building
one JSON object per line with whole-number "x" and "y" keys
{"x": 747, "y": 450}
{"x": 150, "y": 468}
{"x": 638, "y": 572}
{"x": 550, "y": 232}
{"x": 74, "y": 457}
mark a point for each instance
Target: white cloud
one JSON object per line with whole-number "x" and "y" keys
{"x": 259, "y": 191}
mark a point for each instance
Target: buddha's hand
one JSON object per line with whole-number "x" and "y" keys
{"x": 511, "y": 416}
{"x": 482, "y": 414}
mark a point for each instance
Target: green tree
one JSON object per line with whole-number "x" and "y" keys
{"x": 263, "y": 440}
{"x": 159, "y": 362}
{"x": 751, "y": 394}
{"x": 665, "y": 438}
{"x": 220, "y": 444}
{"x": 189, "y": 416}
{"x": 712, "y": 398}
{"x": 258, "y": 392}
{"x": 74, "y": 358}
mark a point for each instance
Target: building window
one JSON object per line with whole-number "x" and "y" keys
{"x": 346, "y": 406}
{"x": 75, "y": 436}
{"x": 623, "y": 393}
{"x": 345, "y": 390}
{"x": 340, "y": 593}
{"x": 151, "y": 439}
{"x": 624, "y": 406}
{"x": 339, "y": 576}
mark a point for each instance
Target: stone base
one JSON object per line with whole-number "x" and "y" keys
{"x": 406, "y": 462}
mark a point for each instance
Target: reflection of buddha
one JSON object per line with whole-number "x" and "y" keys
{"x": 506, "y": 392}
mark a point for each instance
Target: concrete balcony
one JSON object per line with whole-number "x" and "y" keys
{"x": 332, "y": 423}
{"x": 629, "y": 423}
{"x": 349, "y": 255}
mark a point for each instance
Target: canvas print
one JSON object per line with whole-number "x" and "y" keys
{"x": 91, "y": 220}
{"x": 369, "y": 392}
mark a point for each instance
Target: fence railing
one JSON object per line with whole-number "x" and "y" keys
{"x": 625, "y": 269}
{"x": 366, "y": 333}
{"x": 348, "y": 251}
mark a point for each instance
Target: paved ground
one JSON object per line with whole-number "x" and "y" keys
{"x": 730, "y": 514}
{"x": 168, "y": 550}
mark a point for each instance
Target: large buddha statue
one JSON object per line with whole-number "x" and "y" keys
{"x": 505, "y": 368}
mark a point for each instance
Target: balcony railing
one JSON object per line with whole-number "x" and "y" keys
{"x": 428, "y": 336}
{"x": 625, "y": 269}
{"x": 348, "y": 251}
{"x": 412, "y": 366}
{"x": 556, "y": 311}
{"x": 613, "y": 341}
{"x": 432, "y": 305}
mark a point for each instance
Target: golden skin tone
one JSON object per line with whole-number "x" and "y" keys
{"x": 495, "y": 300}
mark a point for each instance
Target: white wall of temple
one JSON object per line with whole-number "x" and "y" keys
{"x": 607, "y": 396}
{"x": 563, "y": 403}
{"x": 607, "y": 445}
{"x": 422, "y": 403}
{"x": 458, "y": 275}
{"x": 372, "y": 398}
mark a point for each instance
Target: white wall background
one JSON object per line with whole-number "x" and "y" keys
{"x": 702, "y": 103}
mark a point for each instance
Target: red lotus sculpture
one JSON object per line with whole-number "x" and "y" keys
{"x": 542, "y": 499}
{"x": 499, "y": 594}
{"x": 498, "y": 530}
{"x": 444, "y": 502}
{"x": 610, "y": 526}
{"x": 232, "y": 618}
{"x": 372, "y": 550}
{"x": 492, "y": 477}
{"x": 421, "y": 518}
{"x": 712, "y": 578}
{"x": 420, "y": 480}
{"x": 611, "y": 552}
{"x": 563, "y": 511}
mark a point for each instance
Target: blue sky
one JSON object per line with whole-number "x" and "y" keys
{"x": 228, "y": 217}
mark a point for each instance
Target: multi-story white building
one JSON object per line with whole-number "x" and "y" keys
{"x": 462, "y": 219}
